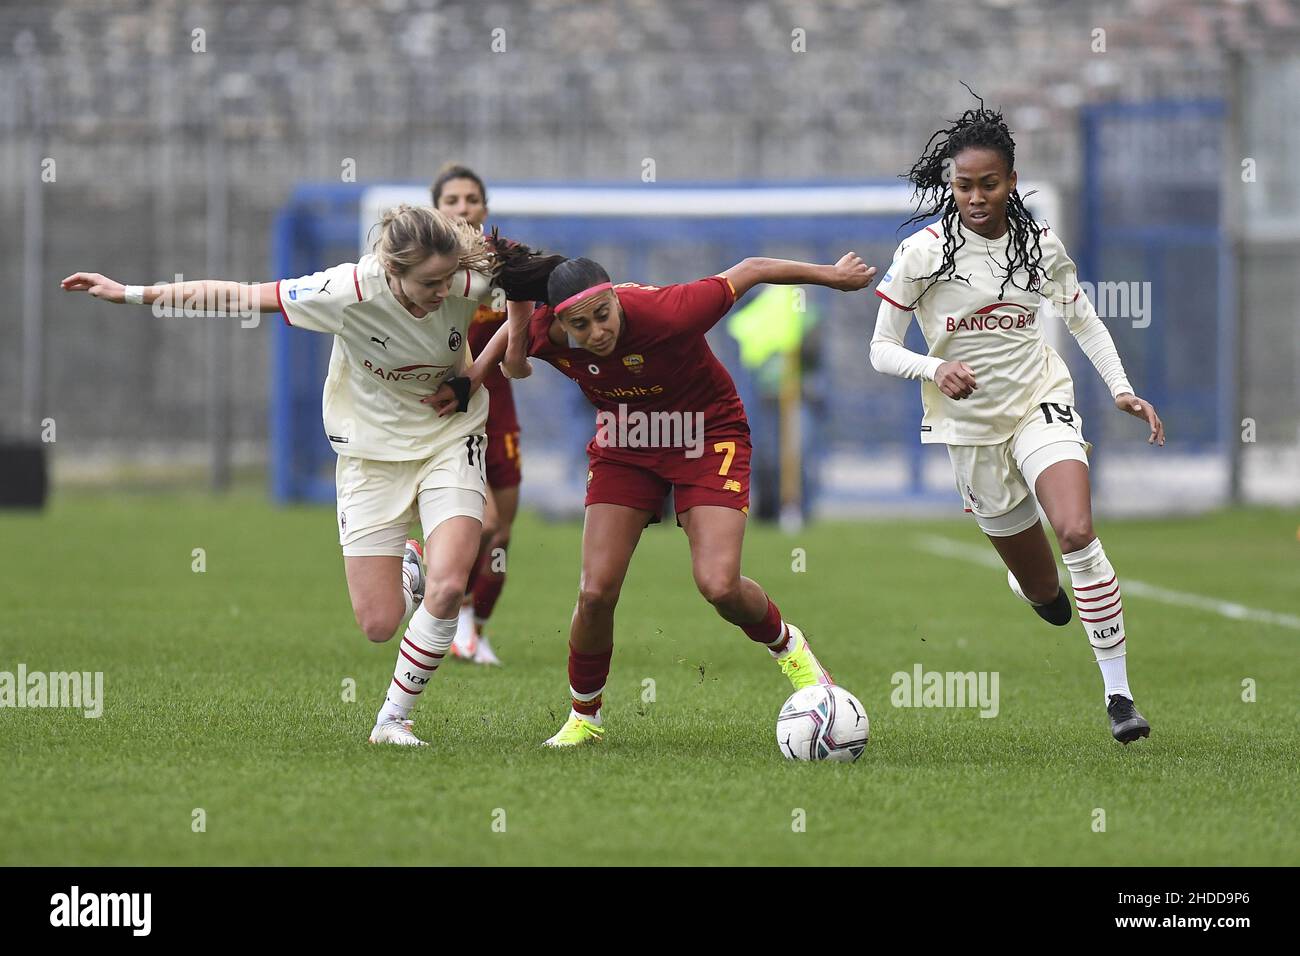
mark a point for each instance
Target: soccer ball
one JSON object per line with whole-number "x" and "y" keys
{"x": 822, "y": 723}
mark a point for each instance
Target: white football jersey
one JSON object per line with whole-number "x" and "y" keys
{"x": 969, "y": 317}
{"x": 385, "y": 360}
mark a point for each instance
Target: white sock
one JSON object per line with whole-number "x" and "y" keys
{"x": 785, "y": 633}
{"x": 1115, "y": 673}
{"x": 465, "y": 629}
{"x": 576, "y": 698}
{"x": 1101, "y": 610}
{"x": 422, "y": 649}
{"x": 590, "y": 718}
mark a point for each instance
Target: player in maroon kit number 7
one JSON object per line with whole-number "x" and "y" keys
{"x": 667, "y": 416}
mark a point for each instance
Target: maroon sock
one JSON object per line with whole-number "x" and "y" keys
{"x": 768, "y": 630}
{"x": 587, "y": 676}
{"x": 486, "y": 591}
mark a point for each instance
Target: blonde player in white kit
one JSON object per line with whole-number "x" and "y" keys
{"x": 399, "y": 318}
{"x": 996, "y": 393}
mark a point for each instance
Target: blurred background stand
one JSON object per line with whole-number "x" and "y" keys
{"x": 24, "y": 481}
{"x": 1161, "y": 136}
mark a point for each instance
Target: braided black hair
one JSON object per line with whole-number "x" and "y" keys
{"x": 521, "y": 271}
{"x": 985, "y": 128}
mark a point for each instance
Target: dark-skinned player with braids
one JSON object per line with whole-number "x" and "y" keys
{"x": 996, "y": 393}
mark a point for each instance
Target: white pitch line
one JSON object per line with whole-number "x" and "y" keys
{"x": 947, "y": 548}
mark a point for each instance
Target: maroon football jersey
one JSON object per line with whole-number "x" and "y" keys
{"x": 501, "y": 400}
{"x": 662, "y": 362}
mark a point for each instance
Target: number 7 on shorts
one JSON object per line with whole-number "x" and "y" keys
{"x": 729, "y": 452}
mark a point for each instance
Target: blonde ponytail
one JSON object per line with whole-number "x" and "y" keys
{"x": 408, "y": 235}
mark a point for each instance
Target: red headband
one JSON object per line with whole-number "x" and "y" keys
{"x": 582, "y": 295}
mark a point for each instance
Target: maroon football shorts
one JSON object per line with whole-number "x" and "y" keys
{"x": 720, "y": 476}
{"x": 503, "y": 466}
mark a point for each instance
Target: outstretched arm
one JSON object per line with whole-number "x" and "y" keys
{"x": 200, "y": 296}
{"x": 1096, "y": 342}
{"x": 1063, "y": 291}
{"x": 847, "y": 275}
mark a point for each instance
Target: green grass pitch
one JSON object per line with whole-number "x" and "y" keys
{"x": 225, "y": 692}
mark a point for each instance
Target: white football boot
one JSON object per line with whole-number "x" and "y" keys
{"x": 1055, "y": 611}
{"x": 396, "y": 732}
{"x": 484, "y": 654}
{"x": 465, "y": 644}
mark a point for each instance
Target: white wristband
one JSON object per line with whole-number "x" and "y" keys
{"x": 135, "y": 295}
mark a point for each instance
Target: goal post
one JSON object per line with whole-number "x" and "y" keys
{"x": 859, "y": 437}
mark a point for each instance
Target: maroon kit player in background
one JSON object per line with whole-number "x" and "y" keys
{"x": 668, "y": 417}
{"x": 459, "y": 192}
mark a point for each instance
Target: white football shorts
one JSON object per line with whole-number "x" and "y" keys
{"x": 378, "y": 500}
{"x": 996, "y": 482}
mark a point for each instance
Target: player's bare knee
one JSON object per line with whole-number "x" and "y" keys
{"x": 596, "y": 600}
{"x": 720, "y": 590}
{"x": 443, "y": 597}
{"x": 1075, "y": 535}
{"x": 378, "y": 623}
